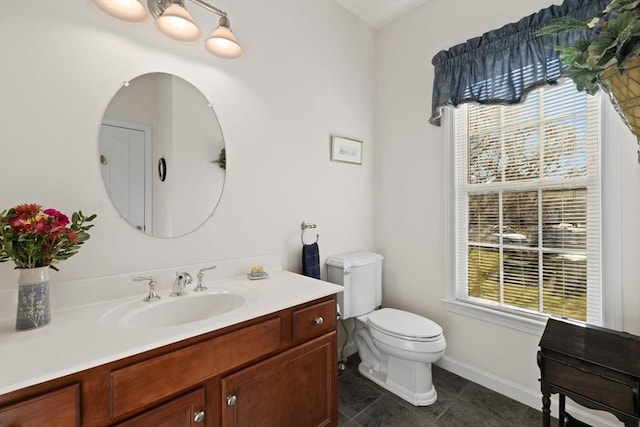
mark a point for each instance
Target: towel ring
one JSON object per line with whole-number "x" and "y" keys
{"x": 305, "y": 226}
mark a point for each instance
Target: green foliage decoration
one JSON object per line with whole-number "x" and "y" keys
{"x": 612, "y": 39}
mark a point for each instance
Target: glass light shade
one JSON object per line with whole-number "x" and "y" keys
{"x": 177, "y": 23}
{"x": 126, "y": 10}
{"x": 223, "y": 43}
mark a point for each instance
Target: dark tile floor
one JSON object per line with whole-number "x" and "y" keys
{"x": 460, "y": 403}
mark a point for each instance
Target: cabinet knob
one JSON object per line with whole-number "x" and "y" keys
{"x": 198, "y": 417}
{"x": 318, "y": 320}
{"x": 231, "y": 400}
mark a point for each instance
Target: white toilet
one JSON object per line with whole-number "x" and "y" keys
{"x": 396, "y": 347}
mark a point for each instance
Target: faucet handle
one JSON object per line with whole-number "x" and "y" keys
{"x": 200, "y": 287}
{"x": 153, "y": 295}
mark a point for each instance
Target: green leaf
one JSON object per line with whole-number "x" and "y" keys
{"x": 623, "y": 4}
{"x": 82, "y": 237}
{"x": 563, "y": 25}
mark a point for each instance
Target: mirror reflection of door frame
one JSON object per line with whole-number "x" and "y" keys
{"x": 148, "y": 170}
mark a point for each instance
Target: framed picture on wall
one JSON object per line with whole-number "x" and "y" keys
{"x": 346, "y": 150}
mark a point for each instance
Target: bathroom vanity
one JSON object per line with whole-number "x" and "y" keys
{"x": 271, "y": 362}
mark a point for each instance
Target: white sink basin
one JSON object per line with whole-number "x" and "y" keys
{"x": 174, "y": 311}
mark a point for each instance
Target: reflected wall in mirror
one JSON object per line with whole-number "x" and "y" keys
{"x": 161, "y": 116}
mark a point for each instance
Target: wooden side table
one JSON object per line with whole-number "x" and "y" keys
{"x": 596, "y": 367}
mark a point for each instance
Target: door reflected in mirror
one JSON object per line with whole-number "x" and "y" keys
{"x": 160, "y": 149}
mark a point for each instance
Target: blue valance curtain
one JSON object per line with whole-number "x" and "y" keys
{"x": 501, "y": 66}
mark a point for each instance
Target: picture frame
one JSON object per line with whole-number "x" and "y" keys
{"x": 346, "y": 150}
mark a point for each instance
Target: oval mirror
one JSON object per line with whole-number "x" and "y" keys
{"x": 162, "y": 155}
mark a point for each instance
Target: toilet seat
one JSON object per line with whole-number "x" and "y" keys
{"x": 404, "y": 325}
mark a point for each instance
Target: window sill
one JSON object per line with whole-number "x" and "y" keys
{"x": 498, "y": 317}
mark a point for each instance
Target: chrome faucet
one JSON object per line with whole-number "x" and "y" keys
{"x": 153, "y": 295}
{"x": 179, "y": 285}
{"x": 200, "y": 276}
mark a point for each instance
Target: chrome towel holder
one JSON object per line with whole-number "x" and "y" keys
{"x": 305, "y": 226}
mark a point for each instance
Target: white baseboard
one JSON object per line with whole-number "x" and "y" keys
{"x": 532, "y": 398}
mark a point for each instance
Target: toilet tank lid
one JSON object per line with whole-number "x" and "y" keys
{"x": 403, "y": 323}
{"x": 354, "y": 259}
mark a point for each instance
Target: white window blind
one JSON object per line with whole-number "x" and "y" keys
{"x": 527, "y": 205}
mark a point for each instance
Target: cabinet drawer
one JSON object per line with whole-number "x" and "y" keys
{"x": 178, "y": 412}
{"x": 58, "y": 408}
{"x": 314, "y": 321}
{"x": 616, "y": 393}
{"x": 144, "y": 383}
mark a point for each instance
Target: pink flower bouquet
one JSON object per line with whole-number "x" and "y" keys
{"x": 33, "y": 237}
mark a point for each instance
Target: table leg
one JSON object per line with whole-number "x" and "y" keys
{"x": 561, "y": 403}
{"x": 546, "y": 408}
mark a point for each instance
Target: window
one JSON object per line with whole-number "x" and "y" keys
{"x": 527, "y": 206}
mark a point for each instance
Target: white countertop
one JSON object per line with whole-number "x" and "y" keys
{"x": 84, "y": 337}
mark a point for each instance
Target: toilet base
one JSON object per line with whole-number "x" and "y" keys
{"x": 380, "y": 377}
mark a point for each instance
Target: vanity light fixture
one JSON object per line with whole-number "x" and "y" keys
{"x": 126, "y": 10}
{"x": 222, "y": 42}
{"x": 175, "y": 21}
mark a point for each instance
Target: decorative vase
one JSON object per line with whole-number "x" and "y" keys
{"x": 624, "y": 92}
{"x": 33, "y": 298}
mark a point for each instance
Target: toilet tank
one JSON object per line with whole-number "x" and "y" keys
{"x": 361, "y": 275}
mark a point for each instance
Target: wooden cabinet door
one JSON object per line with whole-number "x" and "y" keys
{"x": 57, "y": 408}
{"x": 184, "y": 411}
{"x": 296, "y": 388}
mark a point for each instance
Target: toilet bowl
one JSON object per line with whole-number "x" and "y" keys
{"x": 397, "y": 349}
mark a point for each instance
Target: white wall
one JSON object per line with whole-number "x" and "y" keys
{"x": 411, "y": 198}
{"x": 307, "y": 73}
